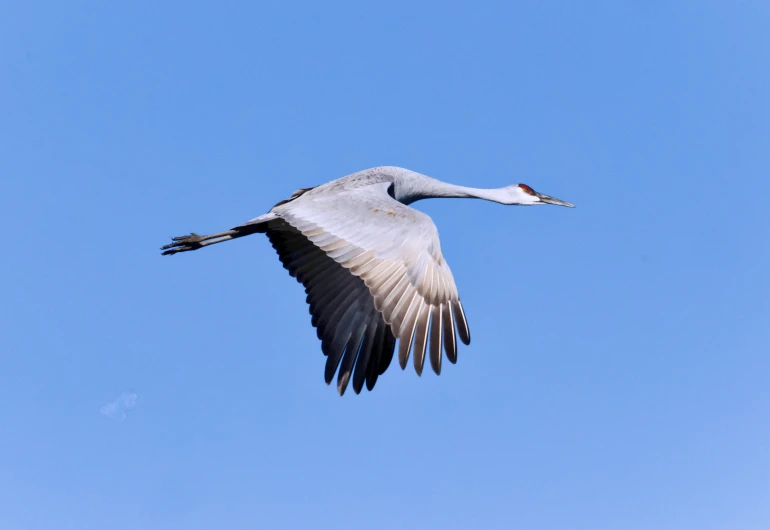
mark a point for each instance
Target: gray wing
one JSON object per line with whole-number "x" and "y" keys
{"x": 351, "y": 330}
{"x": 388, "y": 258}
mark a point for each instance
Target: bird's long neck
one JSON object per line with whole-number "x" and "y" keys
{"x": 428, "y": 188}
{"x": 464, "y": 192}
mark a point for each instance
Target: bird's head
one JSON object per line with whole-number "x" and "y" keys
{"x": 526, "y": 196}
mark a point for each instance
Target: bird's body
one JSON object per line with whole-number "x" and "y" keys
{"x": 372, "y": 267}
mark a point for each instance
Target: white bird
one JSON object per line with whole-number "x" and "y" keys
{"x": 371, "y": 266}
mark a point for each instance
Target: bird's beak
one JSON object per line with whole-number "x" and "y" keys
{"x": 551, "y": 200}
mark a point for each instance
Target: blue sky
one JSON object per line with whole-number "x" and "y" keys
{"x": 618, "y": 374}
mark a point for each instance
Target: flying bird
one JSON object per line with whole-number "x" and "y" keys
{"x": 371, "y": 266}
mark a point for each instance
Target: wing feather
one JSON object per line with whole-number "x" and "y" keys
{"x": 408, "y": 328}
{"x": 462, "y": 323}
{"x": 373, "y": 370}
{"x": 421, "y": 337}
{"x": 436, "y": 330}
{"x": 351, "y": 353}
{"x": 450, "y": 339}
{"x": 364, "y": 356}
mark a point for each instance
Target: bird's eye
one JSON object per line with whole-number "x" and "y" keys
{"x": 527, "y": 189}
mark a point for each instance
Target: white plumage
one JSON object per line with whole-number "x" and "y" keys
{"x": 372, "y": 267}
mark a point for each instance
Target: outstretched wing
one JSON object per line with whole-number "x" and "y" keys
{"x": 351, "y": 330}
{"x": 394, "y": 251}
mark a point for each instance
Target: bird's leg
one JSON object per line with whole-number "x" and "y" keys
{"x": 194, "y": 241}
{"x": 258, "y": 225}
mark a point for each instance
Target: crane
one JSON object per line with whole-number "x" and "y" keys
{"x": 371, "y": 266}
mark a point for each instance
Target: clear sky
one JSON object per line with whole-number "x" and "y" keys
{"x": 619, "y": 374}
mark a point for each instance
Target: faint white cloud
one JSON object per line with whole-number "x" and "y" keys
{"x": 117, "y": 409}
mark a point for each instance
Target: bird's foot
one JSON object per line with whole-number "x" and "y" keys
{"x": 183, "y": 244}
